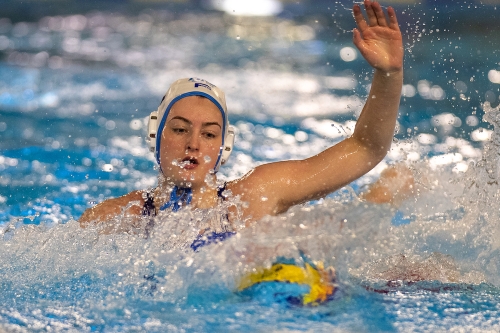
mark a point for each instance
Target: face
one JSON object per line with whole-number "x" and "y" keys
{"x": 191, "y": 141}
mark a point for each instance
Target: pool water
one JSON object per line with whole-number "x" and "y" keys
{"x": 76, "y": 88}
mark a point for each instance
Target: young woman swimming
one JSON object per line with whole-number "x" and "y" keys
{"x": 191, "y": 138}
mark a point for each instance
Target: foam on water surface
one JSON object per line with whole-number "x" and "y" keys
{"x": 64, "y": 276}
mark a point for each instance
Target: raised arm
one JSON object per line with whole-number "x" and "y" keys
{"x": 380, "y": 43}
{"x": 274, "y": 187}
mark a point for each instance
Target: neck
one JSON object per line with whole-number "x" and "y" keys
{"x": 204, "y": 196}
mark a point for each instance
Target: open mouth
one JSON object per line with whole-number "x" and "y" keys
{"x": 189, "y": 162}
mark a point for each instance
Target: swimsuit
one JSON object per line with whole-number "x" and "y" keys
{"x": 305, "y": 283}
{"x": 219, "y": 229}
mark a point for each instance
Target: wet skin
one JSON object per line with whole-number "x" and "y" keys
{"x": 193, "y": 131}
{"x": 191, "y": 141}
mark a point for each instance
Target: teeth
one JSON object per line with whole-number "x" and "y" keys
{"x": 188, "y": 162}
{"x": 184, "y": 163}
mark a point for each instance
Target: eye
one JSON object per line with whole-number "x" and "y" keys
{"x": 179, "y": 130}
{"x": 209, "y": 135}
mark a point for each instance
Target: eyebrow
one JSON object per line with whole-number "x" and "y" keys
{"x": 190, "y": 123}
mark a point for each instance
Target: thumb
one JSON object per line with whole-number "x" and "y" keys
{"x": 357, "y": 40}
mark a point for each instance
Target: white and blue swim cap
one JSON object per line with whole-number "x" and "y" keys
{"x": 185, "y": 88}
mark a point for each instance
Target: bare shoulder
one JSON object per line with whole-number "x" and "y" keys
{"x": 262, "y": 188}
{"x": 112, "y": 207}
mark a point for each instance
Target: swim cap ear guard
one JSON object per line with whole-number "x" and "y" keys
{"x": 185, "y": 88}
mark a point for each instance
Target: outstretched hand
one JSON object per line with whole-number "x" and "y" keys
{"x": 378, "y": 40}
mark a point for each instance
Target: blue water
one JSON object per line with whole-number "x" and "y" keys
{"x": 76, "y": 85}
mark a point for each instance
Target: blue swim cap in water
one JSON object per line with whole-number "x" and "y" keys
{"x": 185, "y": 88}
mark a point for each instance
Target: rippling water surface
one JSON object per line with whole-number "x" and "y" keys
{"x": 76, "y": 86}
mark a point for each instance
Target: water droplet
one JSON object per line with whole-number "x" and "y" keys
{"x": 107, "y": 168}
{"x": 207, "y": 159}
{"x": 238, "y": 37}
{"x": 264, "y": 198}
{"x": 227, "y": 194}
{"x": 209, "y": 180}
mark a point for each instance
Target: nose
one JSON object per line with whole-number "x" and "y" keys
{"x": 193, "y": 142}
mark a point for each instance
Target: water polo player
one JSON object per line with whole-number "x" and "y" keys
{"x": 191, "y": 137}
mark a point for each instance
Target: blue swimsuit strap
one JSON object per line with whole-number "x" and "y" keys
{"x": 212, "y": 237}
{"x": 182, "y": 197}
{"x": 178, "y": 197}
{"x": 149, "y": 209}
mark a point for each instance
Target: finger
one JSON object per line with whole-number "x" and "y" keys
{"x": 379, "y": 13}
{"x": 372, "y": 18}
{"x": 359, "y": 18}
{"x": 360, "y": 43}
{"x": 357, "y": 39}
{"x": 393, "y": 21}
